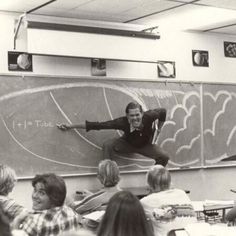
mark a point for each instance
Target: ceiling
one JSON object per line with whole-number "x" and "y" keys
{"x": 217, "y": 16}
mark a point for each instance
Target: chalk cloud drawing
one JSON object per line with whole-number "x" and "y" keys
{"x": 180, "y": 145}
{"x": 219, "y": 126}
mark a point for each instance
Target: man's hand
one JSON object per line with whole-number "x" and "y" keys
{"x": 63, "y": 127}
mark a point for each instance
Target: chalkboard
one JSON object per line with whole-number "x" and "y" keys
{"x": 194, "y": 134}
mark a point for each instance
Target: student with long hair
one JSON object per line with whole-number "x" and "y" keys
{"x": 124, "y": 216}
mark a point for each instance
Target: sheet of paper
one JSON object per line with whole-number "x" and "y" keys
{"x": 198, "y": 205}
{"x": 96, "y": 215}
{"x": 218, "y": 202}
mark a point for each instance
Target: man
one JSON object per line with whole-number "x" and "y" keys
{"x": 138, "y": 133}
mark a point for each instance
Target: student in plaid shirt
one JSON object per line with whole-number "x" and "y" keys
{"x": 50, "y": 217}
{"x": 10, "y": 208}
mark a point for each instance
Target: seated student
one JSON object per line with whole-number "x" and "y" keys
{"x": 231, "y": 216}
{"x": 50, "y": 216}
{"x": 168, "y": 208}
{"x": 5, "y": 228}
{"x": 109, "y": 176}
{"x": 124, "y": 216}
{"x": 7, "y": 182}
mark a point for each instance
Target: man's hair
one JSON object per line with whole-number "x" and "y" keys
{"x": 7, "y": 179}
{"x": 55, "y": 187}
{"x": 133, "y": 105}
{"x": 158, "y": 178}
{"x": 108, "y": 173}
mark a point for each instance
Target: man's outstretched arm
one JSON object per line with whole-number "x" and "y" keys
{"x": 68, "y": 126}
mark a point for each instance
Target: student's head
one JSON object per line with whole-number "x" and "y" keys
{"x": 134, "y": 114}
{"x": 124, "y": 216}
{"x": 7, "y": 179}
{"x": 108, "y": 173}
{"x": 49, "y": 191}
{"x": 158, "y": 178}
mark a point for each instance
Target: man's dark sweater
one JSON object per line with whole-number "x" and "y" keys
{"x": 138, "y": 137}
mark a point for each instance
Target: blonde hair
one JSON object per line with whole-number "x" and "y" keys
{"x": 108, "y": 173}
{"x": 158, "y": 178}
{"x": 7, "y": 179}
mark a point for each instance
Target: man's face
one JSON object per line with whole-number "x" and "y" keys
{"x": 40, "y": 198}
{"x": 134, "y": 117}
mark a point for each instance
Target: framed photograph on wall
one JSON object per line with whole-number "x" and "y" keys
{"x": 20, "y": 61}
{"x": 230, "y": 49}
{"x": 98, "y": 67}
{"x": 200, "y": 58}
{"x": 166, "y": 69}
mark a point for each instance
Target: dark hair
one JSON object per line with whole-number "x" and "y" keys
{"x": 124, "y": 216}
{"x": 133, "y": 105}
{"x": 55, "y": 187}
{"x": 108, "y": 173}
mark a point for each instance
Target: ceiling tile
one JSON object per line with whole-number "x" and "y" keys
{"x": 19, "y": 5}
{"x": 150, "y": 8}
{"x": 228, "y": 4}
{"x": 182, "y": 1}
{"x": 111, "y": 7}
{"x": 226, "y": 30}
{"x": 68, "y": 4}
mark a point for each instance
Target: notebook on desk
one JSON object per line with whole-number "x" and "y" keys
{"x": 95, "y": 215}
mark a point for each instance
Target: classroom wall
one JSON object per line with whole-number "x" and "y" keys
{"x": 211, "y": 183}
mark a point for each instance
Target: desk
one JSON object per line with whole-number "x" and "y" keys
{"x": 140, "y": 192}
{"x": 143, "y": 191}
{"x": 222, "y": 208}
{"x": 212, "y": 211}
